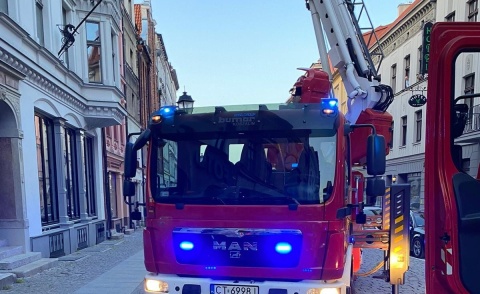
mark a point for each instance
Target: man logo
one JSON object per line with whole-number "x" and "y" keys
{"x": 235, "y": 246}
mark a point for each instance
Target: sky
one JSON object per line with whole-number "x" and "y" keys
{"x": 243, "y": 51}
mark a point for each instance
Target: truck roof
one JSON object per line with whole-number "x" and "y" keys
{"x": 247, "y": 118}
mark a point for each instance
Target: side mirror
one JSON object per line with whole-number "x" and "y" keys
{"x": 376, "y": 155}
{"x": 375, "y": 188}
{"x": 130, "y": 168}
{"x": 361, "y": 218}
{"x": 128, "y": 188}
{"x": 136, "y": 215}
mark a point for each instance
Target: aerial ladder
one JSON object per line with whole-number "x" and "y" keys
{"x": 344, "y": 47}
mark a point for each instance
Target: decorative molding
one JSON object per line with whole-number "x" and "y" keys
{"x": 3, "y": 93}
{"x": 13, "y": 100}
{"x": 406, "y": 29}
{"x": 115, "y": 111}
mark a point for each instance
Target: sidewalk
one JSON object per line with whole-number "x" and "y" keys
{"x": 122, "y": 279}
{"x": 113, "y": 266}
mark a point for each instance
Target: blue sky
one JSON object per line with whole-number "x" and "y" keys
{"x": 243, "y": 51}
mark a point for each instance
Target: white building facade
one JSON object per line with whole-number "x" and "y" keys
{"x": 51, "y": 110}
{"x": 405, "y": 69}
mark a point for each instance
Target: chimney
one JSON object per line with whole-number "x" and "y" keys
{"x": 402, "y": 8}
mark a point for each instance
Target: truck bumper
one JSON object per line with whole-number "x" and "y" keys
{"x": 192, "y": 285}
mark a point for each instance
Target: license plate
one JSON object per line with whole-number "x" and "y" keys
{"x": 233, "y": 289}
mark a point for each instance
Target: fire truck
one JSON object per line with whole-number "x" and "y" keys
{"x": 258, "y": 199}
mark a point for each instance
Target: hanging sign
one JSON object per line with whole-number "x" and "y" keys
{"x": 417, "y": 100}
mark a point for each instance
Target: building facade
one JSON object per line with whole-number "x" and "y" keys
{"x": 53, "y": 107}
{"x": 405, "y": 68}
{"x": 167, "y": 80}
{"x": 132, "y": 87}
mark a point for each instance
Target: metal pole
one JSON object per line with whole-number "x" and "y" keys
{"x": 395, "y": 289}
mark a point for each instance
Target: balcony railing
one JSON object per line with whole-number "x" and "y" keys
{"x": 473, "y": 121}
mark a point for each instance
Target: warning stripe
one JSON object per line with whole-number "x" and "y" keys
{"x": 447, "y": 258}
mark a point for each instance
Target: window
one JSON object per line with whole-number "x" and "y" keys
{"x": 90, "y": 176}
{"x": 71, "y": 173}
{"x": 418, "y": 126}
{"x": 131, "y": 58}
{"x": 39, "y": 16}
{"x": 419, "y": 65}
{"x": 469, "y": 82}
{"x": 46, "y": 170}
{"x": 472, "y": 10}
{"x": 392, "y": 128}
{"x": 450, "y": 17}
{"x": 394, "y": 77}
{"x": 4, "y": 6}
{"x": 114, "y": 71}
{"x": 94, "y": 52}
{"x": 403, "y": 138}
{"x": 65, "y": 22}
{"x": 406, "y": 63}
{"x": 466, "y": 165}
{"x": 112, "y": 180}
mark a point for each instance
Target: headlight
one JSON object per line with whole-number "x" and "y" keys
{"x": 324, "y": 291}
{"x": 156, "y": 286}
{"x": 330, "y": 291}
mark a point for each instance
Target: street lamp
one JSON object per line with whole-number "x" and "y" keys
{"x": 185, "y": 102}
{"x": 394, "y": 179}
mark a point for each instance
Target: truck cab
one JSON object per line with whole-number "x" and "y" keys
{"x": 248, "y": 199}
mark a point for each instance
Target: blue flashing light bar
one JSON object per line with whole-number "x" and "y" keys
{"x": 168, "y": 110}
{"x": 283, "y": 248}
{"x": 332, "y": 103}
{"x": 186, "y": 245}
{"x": 210, "y": 267}
{"x": 329, "y": 106}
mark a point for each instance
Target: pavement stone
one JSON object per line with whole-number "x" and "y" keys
{"x": 120, "y": 270}
{"x": 414, "y": 278}
{"x": 69, "y": 276}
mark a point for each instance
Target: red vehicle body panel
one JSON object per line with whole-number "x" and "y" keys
{"x": 318, "y": 238}
{"x": 447, "y": 41}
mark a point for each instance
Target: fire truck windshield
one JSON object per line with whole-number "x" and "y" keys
{"x": 248, "y": 168}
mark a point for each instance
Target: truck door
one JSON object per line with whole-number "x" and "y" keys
{"x": 452, "y": 194}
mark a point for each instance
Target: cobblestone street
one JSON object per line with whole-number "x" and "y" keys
{"x": 80, "y": 268}
{"x": 414, "y": 279}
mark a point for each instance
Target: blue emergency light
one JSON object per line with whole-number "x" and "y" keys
{"x": 167, "y": 110}
{"x": 283, "y": 248}
{"x": 186, "y": 245}
{"x": 329, "y": 105}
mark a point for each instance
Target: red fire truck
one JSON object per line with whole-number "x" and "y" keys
{"x": 269, "y": 198}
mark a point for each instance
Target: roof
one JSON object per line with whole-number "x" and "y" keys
{"x": 381, "y": 31}
{"x": 138, "y": 17}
